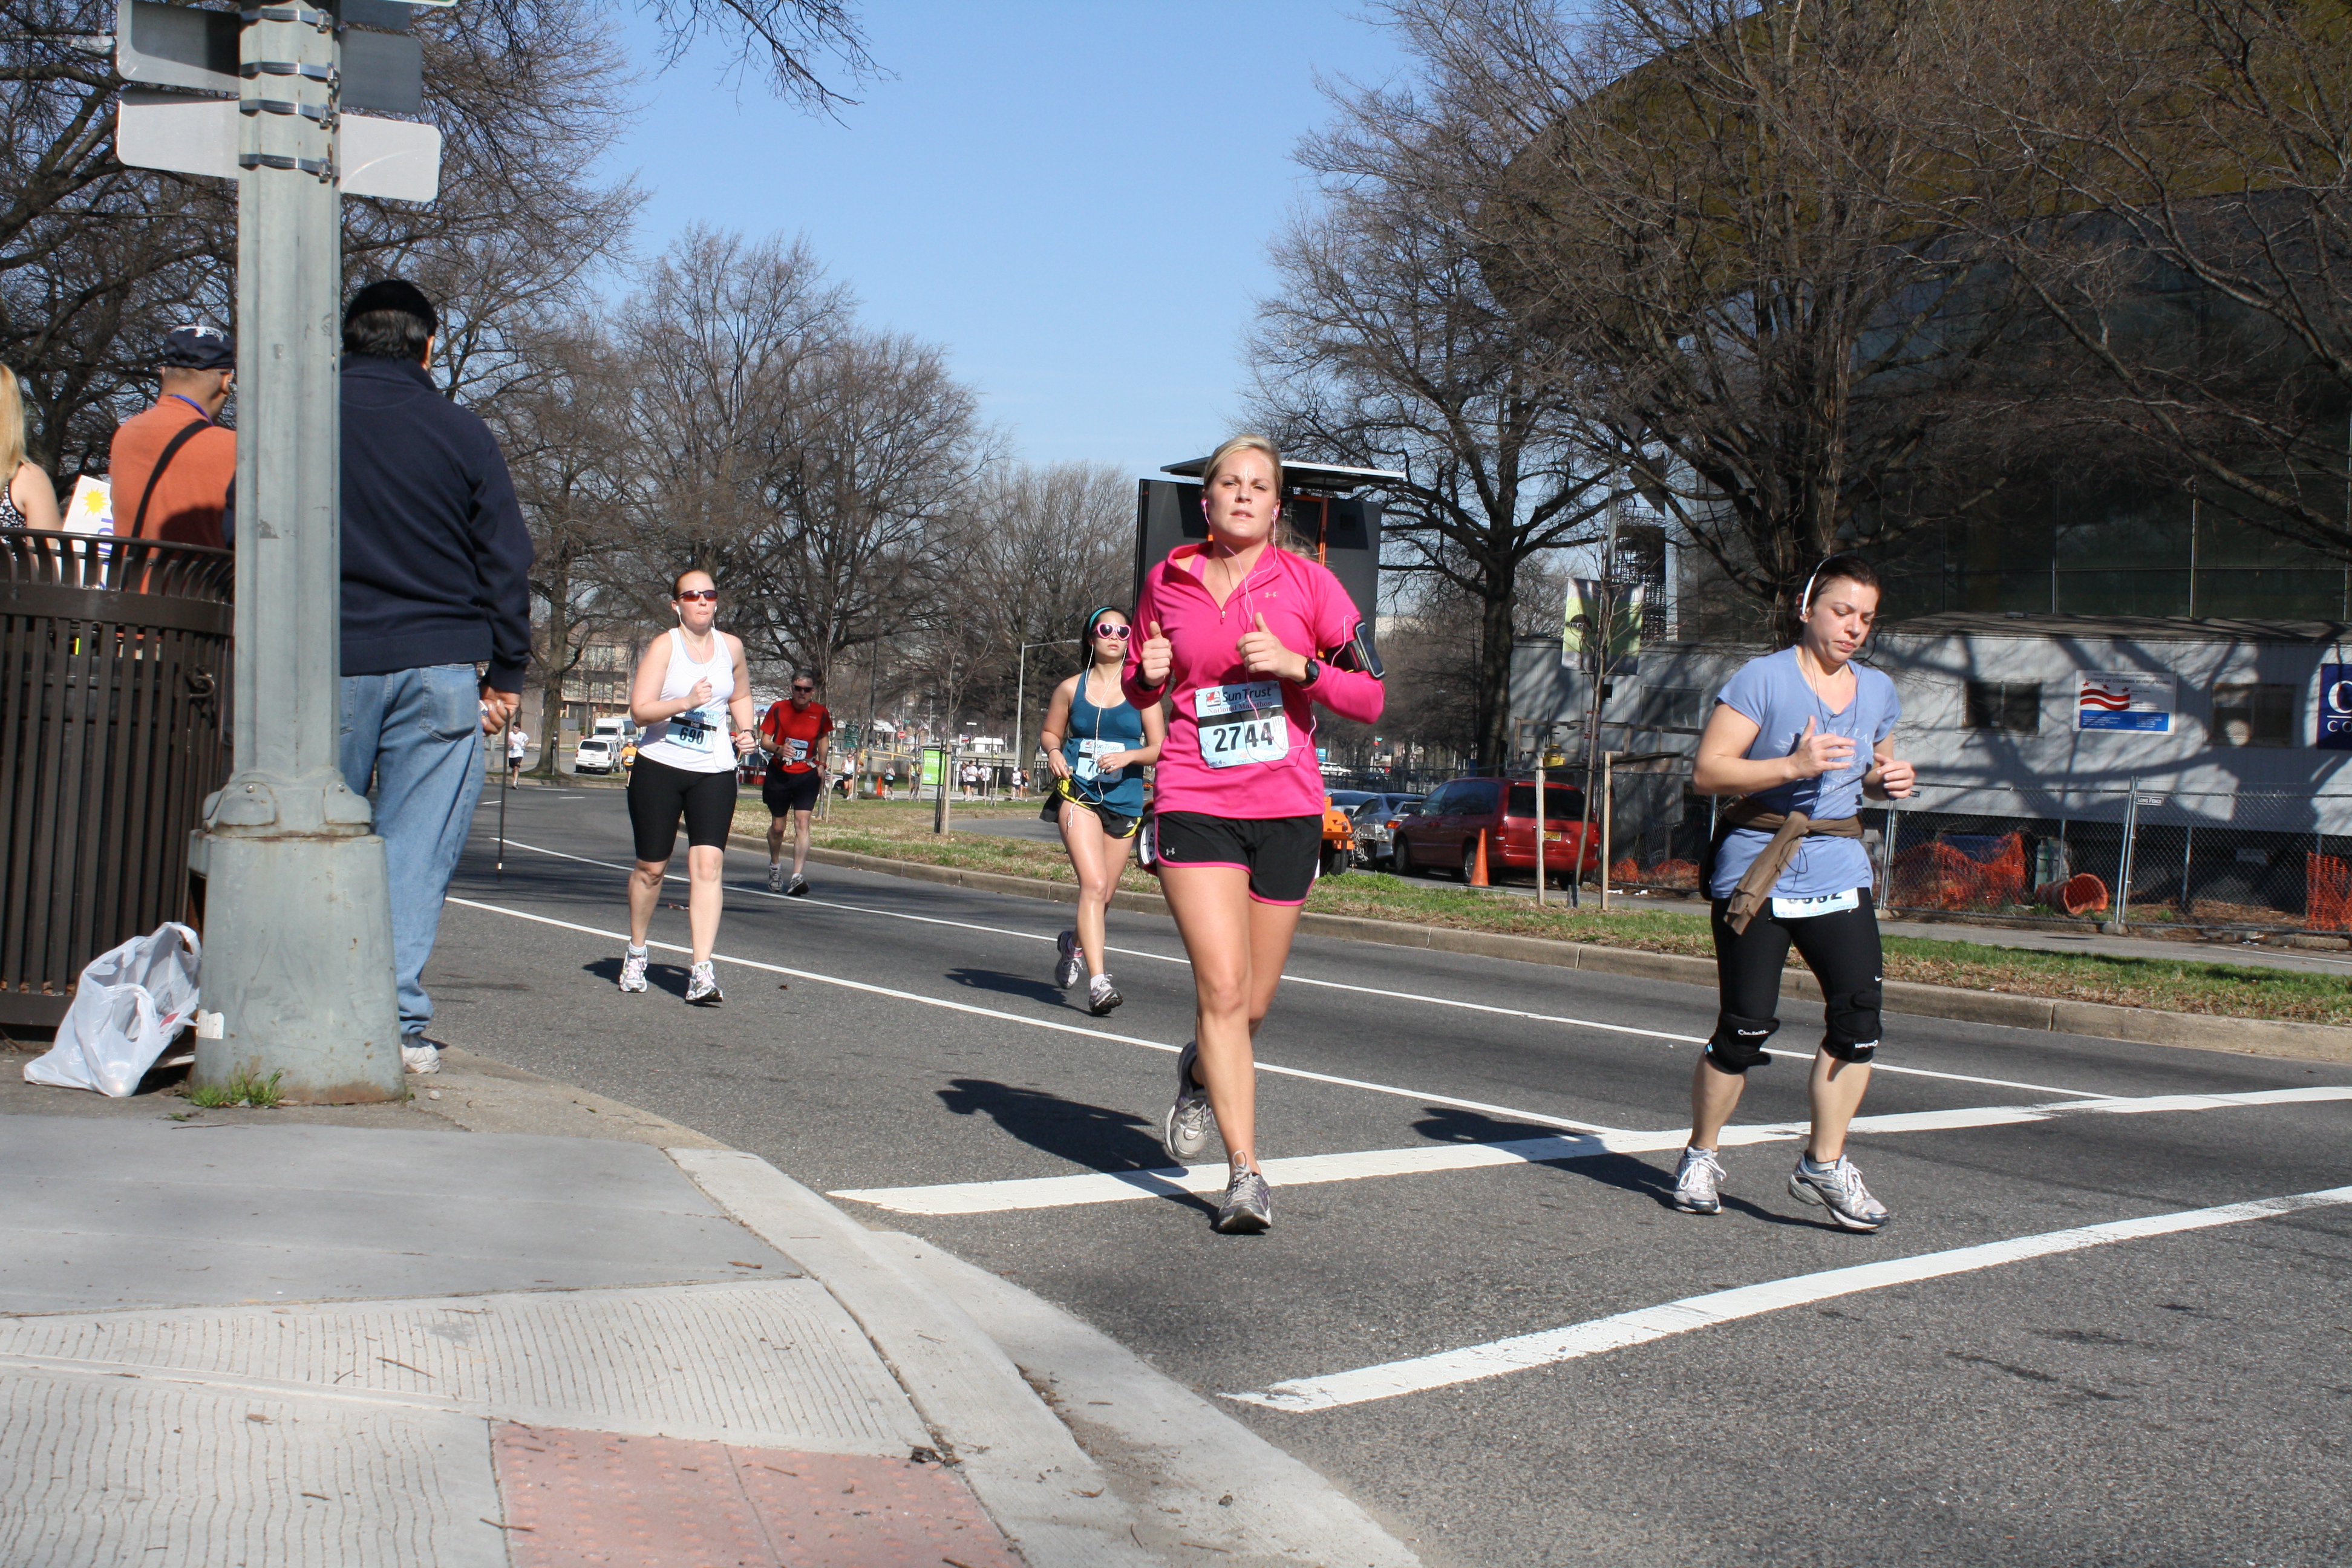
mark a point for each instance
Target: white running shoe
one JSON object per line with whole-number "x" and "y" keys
{"x": 1248, "y": 1208}
{"x": 419, "y": 1055}
{"x": 1837, "y": 1187}
{"x": 1067, "y": 970}
{"x": 1697, "y": 1180}
{"x": 1185, "y": 1133}
{"x": 633, "y": 968}
{"x": 797, "y": 888}
{"x": 776, "y": 876}
{"x": 702, "y": 986}
{"x": 1102, "y": 995}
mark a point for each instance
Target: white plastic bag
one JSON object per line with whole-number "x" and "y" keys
{"x": 131, "y": 1002}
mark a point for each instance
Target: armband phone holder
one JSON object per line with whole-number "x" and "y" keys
{"x": 1358, "y": 653}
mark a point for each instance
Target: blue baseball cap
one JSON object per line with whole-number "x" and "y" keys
{"x": 199, "y": 345}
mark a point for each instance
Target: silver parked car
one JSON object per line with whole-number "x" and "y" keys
{"x": 1376, "y": 819}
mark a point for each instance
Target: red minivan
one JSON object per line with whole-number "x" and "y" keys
{"x": 1445, "y": 837}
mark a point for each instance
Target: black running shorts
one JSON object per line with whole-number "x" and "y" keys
{"x": 1280, "y": 853}
{"x": 786, "y": 792}
{"x": 1118, "y": 824}
{"x": 659, "y": 794}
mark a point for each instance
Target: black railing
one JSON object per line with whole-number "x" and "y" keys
{"x": 113, "y": 683}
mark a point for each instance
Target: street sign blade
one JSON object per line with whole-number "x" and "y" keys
{"x": 383, "y": 71}
{"x": 392, "y": 15}
{"x": 171, "y": 131}
{"x": 175, "y": 46}
{"x": 396, "y": 160}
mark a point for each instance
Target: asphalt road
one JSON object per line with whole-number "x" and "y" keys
{"x": 2174, "y": 1397}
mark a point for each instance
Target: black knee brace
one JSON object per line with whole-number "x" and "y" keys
{"x": 1854, "y": 1024}
{"x": 1739, "y": 1043}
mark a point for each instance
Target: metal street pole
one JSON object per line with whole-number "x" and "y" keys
{"x": 298, "y": 971}
{"x": 1605, "y": 601}
{"x": 866, "y": 757}
{"x": 1020, "y": 699}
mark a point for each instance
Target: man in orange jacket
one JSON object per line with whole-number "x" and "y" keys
{"x": 170, "y": 467}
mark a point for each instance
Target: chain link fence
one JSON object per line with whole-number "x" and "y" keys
{"x": 2236, "y": 861}
{"x": 2244, "y": 860}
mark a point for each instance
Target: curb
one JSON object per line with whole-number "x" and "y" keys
{"x": 1043, "y": 1490}
{"x": 1194, "y": 1475}
{"x": 2141, "y": 1025}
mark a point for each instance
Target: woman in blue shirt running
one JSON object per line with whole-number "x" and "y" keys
{"x": 1800, "y": 736}
{"x": 1097, "y": 745}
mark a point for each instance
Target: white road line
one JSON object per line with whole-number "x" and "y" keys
{"x": 1553, "y": 1346}
{"x": 1289, "y": 979}
{"x": 1117, "y": 1186}
{"x": 1048, "y": 1024}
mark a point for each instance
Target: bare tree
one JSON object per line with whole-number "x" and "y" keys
{"x": 2202, "y": 262}
{"x": 529, "y": 95}
{"x": 1386, "y": 349}
{"x": 1052, "y": 543}
{"x": 715, "y": 337}
{"x": 869, "y": 459}
{"x": 579, "y": 492}
{"x": 93, "y": 259}
{"x": 1745, "y": 222}
{"x": 98, "y": 261}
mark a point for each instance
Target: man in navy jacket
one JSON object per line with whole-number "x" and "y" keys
{"x": 435, "y": 568}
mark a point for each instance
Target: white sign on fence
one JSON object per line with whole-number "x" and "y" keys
{"x": 2126, "y": 700}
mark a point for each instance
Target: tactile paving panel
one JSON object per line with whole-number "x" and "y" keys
{"x": 775, "y": 1363}
{"x": 577, "y": 1498}
{"x": 121, "y": 1469}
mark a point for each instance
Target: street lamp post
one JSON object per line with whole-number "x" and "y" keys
{"x": 298, "y": 971}
{"x": 1021, "y": 695}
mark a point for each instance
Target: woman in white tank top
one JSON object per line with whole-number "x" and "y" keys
{"x": 693, "y": 695}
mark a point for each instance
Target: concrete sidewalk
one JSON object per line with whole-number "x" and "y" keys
{"x": 422, "y": 1334}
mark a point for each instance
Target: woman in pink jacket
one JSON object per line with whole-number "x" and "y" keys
{"x": 1243, "y": 638}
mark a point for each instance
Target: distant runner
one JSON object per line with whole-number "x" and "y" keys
{"x": 1800, "y": 736}
{"x": 794, "y": 733}
{"x": 693, "y": 695}
{"x": 1097, "y": 745}
{"x": 516, "y": 742}
{"x": 1242, "y": 639}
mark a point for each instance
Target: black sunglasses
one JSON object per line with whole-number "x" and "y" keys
{"x": 708, "y": 595}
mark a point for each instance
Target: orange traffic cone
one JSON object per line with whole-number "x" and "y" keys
{"x": 1478, "y": 870}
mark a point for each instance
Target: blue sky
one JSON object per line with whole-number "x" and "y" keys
{"x": 1072, "y": 196}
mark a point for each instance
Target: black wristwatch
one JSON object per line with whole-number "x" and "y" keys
{"x": 1314, "y": 673}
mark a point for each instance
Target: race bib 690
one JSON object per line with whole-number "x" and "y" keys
{"x": 697, "y": 728}
{"x": 1241, "y": 723}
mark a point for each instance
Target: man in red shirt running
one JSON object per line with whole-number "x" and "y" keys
{"x": 794, "y": 734}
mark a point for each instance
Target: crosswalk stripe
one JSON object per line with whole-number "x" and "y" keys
{"x": 1553, "y": 1346}
{"x": 1118, "y": 1186}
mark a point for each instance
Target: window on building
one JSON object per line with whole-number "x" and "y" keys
{"x": 2005, "y": 705}
{"x": 1676, "y": 706}
{"x": 2254, "y": 713}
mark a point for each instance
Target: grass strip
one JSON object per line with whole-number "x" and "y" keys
{"x": 902, "y": 831}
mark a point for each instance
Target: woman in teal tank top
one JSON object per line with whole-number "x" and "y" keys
{"x": 1097, "y": 745}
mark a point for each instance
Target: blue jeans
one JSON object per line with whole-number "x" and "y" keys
{"x": 417, "y": 735}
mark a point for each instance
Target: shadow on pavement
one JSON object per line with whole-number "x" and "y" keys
{"x": 669, "y": 977}
{"x": 1091, "y": 1135}
{"x": 1005, "y": 985}
{"x": 1623, "y": 1172}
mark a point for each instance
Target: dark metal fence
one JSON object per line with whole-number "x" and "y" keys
{"x": 2148, "y": 857}
{"x": 113, "y": 679}
{"x": 2244, "y": 860}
